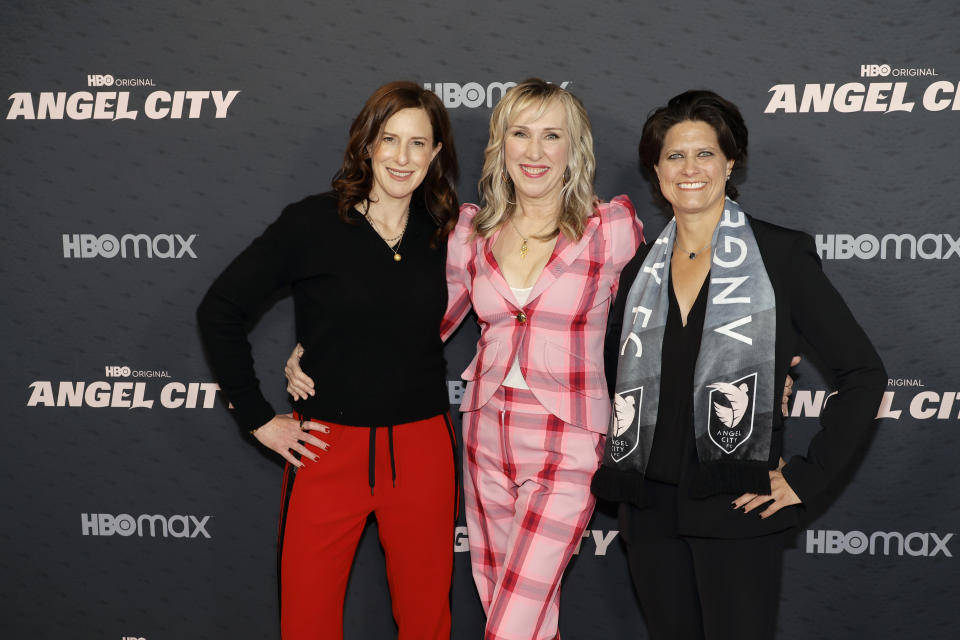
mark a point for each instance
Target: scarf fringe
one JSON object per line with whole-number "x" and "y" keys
{"x": 617, "y": 485}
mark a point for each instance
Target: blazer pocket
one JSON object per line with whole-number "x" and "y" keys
{"x": 573, "y": 372}
{"x": 486, "y": 356}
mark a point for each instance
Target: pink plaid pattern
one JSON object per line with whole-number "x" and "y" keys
{"x": 559, "y": 335}
{"x": 528, "y": 501}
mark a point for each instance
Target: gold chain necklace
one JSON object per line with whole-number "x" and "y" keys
{"x": 389, "y": 241}
{"x": 523, "y": 246}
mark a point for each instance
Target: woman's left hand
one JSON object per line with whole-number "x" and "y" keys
{"x": 780, "y": 492}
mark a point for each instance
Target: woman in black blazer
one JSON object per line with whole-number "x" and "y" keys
{"x": 701, "y": 335}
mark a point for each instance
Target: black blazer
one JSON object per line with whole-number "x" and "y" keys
{"x": 811, "y": 318}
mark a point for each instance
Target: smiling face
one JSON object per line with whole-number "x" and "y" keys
{"x": 401, "y": 156}
{"x": 692, "y": 169}
{"x": 536, "y": 150}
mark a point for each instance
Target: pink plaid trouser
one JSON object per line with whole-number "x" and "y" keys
{"x": 528, "y": 501}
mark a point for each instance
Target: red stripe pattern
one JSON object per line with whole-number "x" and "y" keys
{"x": 528, "y": 501}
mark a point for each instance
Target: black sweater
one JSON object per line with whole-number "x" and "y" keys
{"x": 370, "y": 326}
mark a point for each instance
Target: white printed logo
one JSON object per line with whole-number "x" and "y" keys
{"x": 884, "y": 70}
{"x": 729, "y": 404}
{"x": 97, "y": 80}
{"x": 117, "y": 105}
{"x": 123, "y": 371}
{"x": 626, "y": 423}
{"x": 121, "y": 394}
{"x": 924, "y": 405}
{"x": 854, "y": 97}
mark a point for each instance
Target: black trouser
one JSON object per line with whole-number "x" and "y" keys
{"x": 693, "y": 588}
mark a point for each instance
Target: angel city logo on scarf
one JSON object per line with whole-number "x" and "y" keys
{"x": 731, "y": 412}
{"x": 625, "y": 426}
{"x": 734, "y": 371}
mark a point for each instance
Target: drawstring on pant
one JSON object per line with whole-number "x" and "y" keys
{"x": 371, "y": 460}
{"x": 393, "y": 463}
{"x": 371, "y": 465}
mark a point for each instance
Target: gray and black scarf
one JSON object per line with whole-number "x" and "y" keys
{"x": 733, "y": 387}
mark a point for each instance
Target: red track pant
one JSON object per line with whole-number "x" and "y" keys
{"x": 329, "y": 504}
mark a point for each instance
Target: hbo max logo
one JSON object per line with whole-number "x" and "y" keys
{"x": 882, "y": 542}
{"x": 163, "y": 245}
{"x": 124, "y": 524}
{"x": 929, "y": 246}
{"x": 472, "y": 94}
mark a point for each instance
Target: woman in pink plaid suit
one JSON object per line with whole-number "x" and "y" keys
{"x": 539, "y": 263}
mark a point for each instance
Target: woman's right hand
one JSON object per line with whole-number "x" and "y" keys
{"x": 284, "y": 435}
{"x": 299, "y": 384}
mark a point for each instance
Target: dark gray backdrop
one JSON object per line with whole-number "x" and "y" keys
{"x": 79, "y": 561}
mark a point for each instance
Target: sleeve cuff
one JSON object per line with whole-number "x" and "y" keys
{"x": 806, "y": 479}
{"x": 251, "y": 413}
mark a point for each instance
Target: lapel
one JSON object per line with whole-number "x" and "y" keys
{"x": 489, "y": 268}
{"x": 564, "y": 255}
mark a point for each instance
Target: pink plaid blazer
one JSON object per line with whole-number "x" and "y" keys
{"x": 558, "y": 334}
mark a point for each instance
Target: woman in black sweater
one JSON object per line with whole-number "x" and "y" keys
{"x": 365, "y": 263}
{"x": 700, "y": 336}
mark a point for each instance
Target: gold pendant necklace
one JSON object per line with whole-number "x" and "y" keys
{"x": 393, "y": 247}
{"x": 523, "y": 245}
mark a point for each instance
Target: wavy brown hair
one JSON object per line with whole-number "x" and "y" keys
{"x": 498, "y": 198}
{"x": 354, "y": 180}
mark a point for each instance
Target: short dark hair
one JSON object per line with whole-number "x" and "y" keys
{"x": 702, "y": 106}
{"x": 355, "y": 178}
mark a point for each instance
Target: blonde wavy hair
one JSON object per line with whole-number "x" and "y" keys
{"x": 498, "y": 199}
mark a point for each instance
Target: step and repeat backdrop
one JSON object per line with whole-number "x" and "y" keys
{"x": 145, "y": 145}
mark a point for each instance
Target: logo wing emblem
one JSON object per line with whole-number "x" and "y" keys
{"x": 624, "y": 412}
{"x": 739, "y": 401}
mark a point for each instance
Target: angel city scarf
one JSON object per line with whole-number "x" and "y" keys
{"x": 733, "y": 382}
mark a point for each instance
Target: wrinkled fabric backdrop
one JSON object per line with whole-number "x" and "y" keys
{"x": 145, "y": 146}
